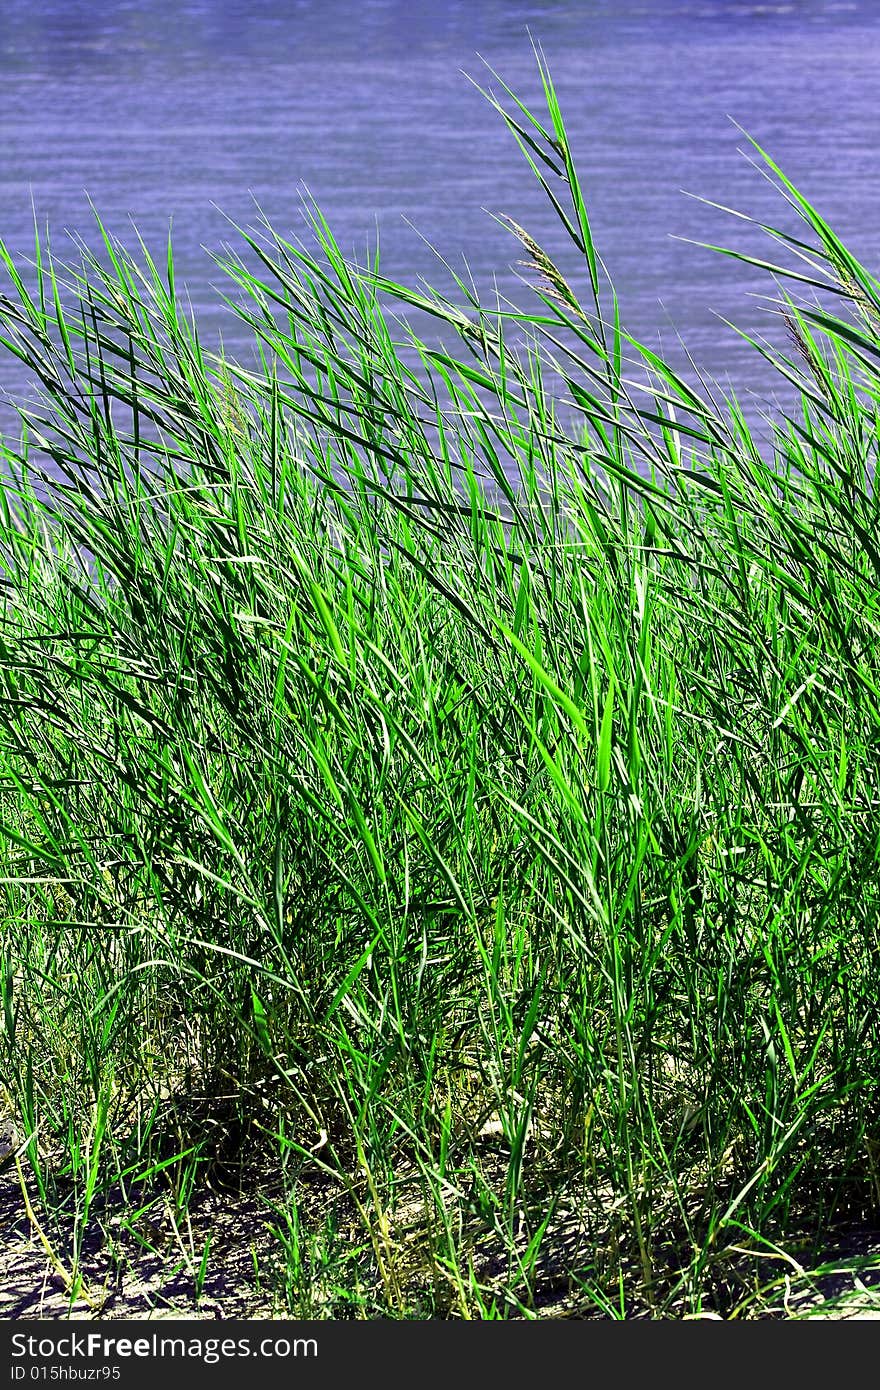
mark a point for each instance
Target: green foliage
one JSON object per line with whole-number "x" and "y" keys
{"x": 468, "y": 761}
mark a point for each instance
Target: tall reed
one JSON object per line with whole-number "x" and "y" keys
{"x": 449, "y": 772}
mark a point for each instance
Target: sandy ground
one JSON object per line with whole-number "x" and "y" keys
{"x": 126, "y": 1279}
{"x": 149, "y": 1267}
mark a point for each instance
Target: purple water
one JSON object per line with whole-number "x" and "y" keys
{"x": 161, "y": 111}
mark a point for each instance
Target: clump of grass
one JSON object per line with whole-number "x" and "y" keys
{"x": 461, "y": 820}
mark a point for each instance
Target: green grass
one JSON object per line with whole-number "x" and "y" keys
{"x": 439, "y": 787}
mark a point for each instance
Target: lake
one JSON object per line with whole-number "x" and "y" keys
{"x": 185, "y": 112}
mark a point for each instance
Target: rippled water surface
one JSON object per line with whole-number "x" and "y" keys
{"x": 161, "y": 111}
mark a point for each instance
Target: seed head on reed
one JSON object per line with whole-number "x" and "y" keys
{"x": 807, "y": 352}
{"x": 551, "y": 281}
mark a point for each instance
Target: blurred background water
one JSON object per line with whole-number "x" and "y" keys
{"x": 162, "y": 111}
